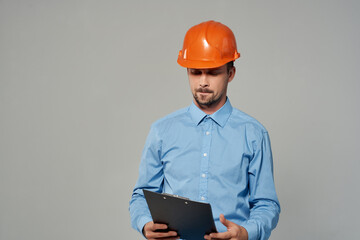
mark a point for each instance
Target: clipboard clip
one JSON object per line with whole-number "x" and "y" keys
{"x": 177, "y": 196}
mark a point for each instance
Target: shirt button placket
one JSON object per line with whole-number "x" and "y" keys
{"x": 205, "y": 159}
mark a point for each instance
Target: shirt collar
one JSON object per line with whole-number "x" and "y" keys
{"x": 220, "y": 116}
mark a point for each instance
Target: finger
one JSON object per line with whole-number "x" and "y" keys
{"x": 207, "y": 237}
{"x": 151, "y": 226}
{"x": 224, "y": 221}
{"x": 172, "y": 238}
{"x": 162, "y": 235}
{"x": 157, "y": 226}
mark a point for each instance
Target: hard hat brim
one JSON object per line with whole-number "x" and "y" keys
{"x": 203, "y": 64}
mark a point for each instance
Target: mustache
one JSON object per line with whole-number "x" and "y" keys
{"x": 203, "y": 90}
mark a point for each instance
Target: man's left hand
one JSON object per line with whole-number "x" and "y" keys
{"x": 234, "y": 231}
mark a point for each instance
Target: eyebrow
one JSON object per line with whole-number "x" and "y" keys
{"x": 211, "y": 70}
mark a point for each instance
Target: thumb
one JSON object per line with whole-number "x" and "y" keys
{"x": 224, "y": 221}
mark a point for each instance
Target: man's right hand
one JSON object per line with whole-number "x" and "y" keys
{"x": 150, "y": 233}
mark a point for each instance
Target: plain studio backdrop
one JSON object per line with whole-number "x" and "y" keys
{"x": 82, "y": 81}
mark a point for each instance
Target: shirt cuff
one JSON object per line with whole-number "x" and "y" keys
{"x": 141, "y": 223}
{"x": 252, "y": 230}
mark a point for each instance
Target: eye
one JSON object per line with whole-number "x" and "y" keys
{"x": 213, "y": 73}
{"x": 195, "y": 72}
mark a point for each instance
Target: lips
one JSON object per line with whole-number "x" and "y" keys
{"x": 203, "y": 90}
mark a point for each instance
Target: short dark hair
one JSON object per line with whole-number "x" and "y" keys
{"x": 230, "y": 65}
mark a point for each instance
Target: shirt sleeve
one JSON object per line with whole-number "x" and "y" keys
{"x": 150, "y": 178}
{"x": 263, "y": 201}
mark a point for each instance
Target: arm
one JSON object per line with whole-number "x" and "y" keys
{"x": 264, "y": 205}
{"x": 151, "y": 178}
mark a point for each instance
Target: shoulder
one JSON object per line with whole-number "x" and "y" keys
{"x": 241, "y": 118}
{"x": 170, "y": 119}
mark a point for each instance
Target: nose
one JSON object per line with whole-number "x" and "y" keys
{"x": 204, "y": 82}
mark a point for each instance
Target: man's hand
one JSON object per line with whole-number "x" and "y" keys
{"x": 234, "y": 231}
{"x": 151, "y": 227}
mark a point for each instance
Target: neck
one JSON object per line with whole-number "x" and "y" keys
{"x": 210, "y": 109}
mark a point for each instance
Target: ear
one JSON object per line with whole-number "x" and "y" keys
{"x": 232, "y": 74}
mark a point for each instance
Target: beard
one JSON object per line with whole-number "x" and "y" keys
{"x": 207, "y": 101}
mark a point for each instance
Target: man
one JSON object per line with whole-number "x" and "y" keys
{"x": 210, "y": 151}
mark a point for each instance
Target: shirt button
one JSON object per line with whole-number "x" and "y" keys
{"x": 203, "y": 175}
{"x": 205, "y": 154}
{"x": 203, "y": 198}
{"x": 207, "y": 133}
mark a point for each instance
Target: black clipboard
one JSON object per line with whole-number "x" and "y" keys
{"x": 190, "y": 219}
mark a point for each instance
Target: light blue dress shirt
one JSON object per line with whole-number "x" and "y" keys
{"x": 223, "y": 159}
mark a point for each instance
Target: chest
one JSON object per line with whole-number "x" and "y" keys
{"x": 206, "y": 150}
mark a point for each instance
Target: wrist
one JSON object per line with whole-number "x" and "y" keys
{"x": 243, "y": 233}
{"x": 143, "y": 229}
{"x": 251, "y": 230}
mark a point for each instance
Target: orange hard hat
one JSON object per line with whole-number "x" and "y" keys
{"x": 208, "y": 45}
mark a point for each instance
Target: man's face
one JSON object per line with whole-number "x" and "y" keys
{"x": 209, "y": 86}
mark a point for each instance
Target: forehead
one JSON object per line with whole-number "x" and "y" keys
{"x": 221, "y": 68}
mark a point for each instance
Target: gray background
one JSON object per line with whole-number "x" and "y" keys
{"x": 81, "y": 82}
